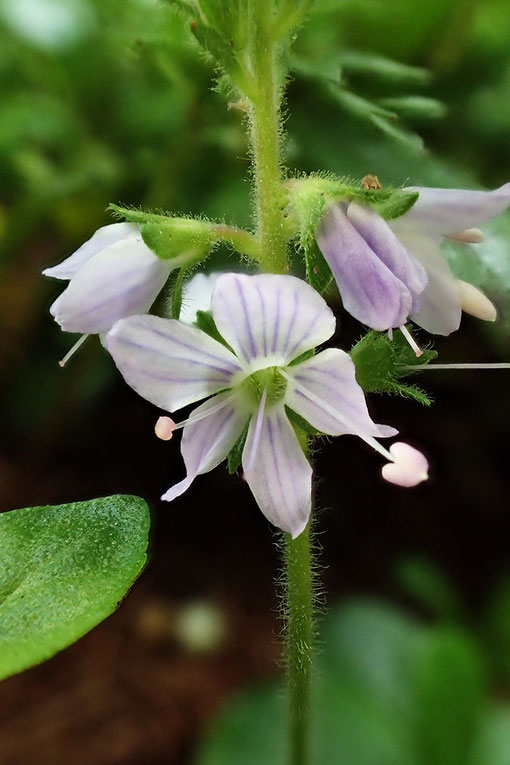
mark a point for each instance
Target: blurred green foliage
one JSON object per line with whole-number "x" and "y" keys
{"x": 390, "y": 690}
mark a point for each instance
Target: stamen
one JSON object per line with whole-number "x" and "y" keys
{"x": 258, "y": 430}
{"x": 206, "y": 412}
{"x": 470, "y": 235}
{"x": 495, "y": 365}
{"x": 73, "y": 350}
{"x": 474, "y": 302}
{"x": 370, "y": 440}
{"x": 408, "y": 467}
{"x": 164, "y": 428}
{"x": 412, "y": 342}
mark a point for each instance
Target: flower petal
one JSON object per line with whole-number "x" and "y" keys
{"x": 330, "y": 377}
{"x": 370, "y": 291}
{"x": 440, "y": 303}
{"x": 197, "y": 296}
{"x": 102, "y": 238}
{"x": 446, "y": 211}
{"x": 121, "y": 280}
{"x": 381, "y": 239}
{"x": 270, "y": 317}
{"x": 208, "y": 441}
{"x": 280, "y": 476}
{"x": 169, "y": 363}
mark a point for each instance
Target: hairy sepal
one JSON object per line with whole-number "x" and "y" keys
{"x": 381, "y": 364}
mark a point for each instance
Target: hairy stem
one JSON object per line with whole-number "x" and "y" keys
{"x": 265, "y": 134}
{"x": 299, "y": 642}
{"x": 272, "y": 235}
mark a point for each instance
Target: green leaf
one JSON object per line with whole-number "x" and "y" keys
{"x": 235, "y": 455}
{"x": 415, "y": 107}
{"x": 381, "y": 362}
{"x": 382, "y": 69}
{"x": 410, "y": 140}
{"x": 427, "y": 585}
{"x": 204, "y": 321}
{"x": 64, "y": 569}
{"x": 384, "y": 681}
{"x": 447, "y": 680}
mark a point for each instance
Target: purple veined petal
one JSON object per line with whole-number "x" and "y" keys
{"x": 121, "y": 280}
{"x": 370, "y": 291}
{"x": 330, "y": 378}
{"x": 279, "y": 475}
{"x": 440, "y": 303}
{"x": 102, "y": 238}
{"x": 446, "y": 211}
{"x": 208, "y": 441}
{"x": 381, "y": 239}
{"x": 169, "y": 363}
{"x": 270, "y": 319}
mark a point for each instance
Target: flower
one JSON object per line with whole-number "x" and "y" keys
{"x": 387, "y": 272}
{"x": 112, "y": 275}
{"x": 269, "y": 321}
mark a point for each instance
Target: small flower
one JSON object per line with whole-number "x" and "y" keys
{"x": 387, "y": 272}
{"x": 113, "y": 275}
{"x": 268, "y": 321}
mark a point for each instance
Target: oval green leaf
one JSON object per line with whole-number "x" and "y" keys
{"x": 63, "y": 569}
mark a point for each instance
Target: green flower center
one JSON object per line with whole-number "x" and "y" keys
{"x": 268, "y": 379}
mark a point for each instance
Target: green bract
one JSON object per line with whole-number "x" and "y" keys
{"x": 64, "y": 569}
{"x": 381, "y": 363}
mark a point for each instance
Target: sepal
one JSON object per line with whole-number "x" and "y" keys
{"x": 381, "y": 363}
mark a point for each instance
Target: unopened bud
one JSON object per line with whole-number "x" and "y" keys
{"x": 474, "y": 302}
{"x": 164, "y": 428}
{"x": 409, "y": 467}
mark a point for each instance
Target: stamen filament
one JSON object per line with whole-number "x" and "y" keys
{"x": 206, "y": 413}
{"x": 412, "y": 342}
{"x": 370, "y": 440}
{"x": 73, "y": 350}
{"x": 258, "y": 430}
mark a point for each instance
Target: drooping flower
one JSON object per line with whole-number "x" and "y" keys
{"x": 389, "y": 272}
{"x": 268, "y": 321}
{"x": 112, "y": 275}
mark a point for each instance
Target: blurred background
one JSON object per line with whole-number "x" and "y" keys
{"x": 110, "y": 101}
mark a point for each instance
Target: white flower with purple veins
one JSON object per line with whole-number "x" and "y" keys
{"x": 389, "y": 272}
{"x": 113, "y": 275}
{"x": 269, "y": 321}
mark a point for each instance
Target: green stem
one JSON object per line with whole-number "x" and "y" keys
{"x": 273, "y": 235}
{"x": 264, "y": 111}
{"x": 299, "y": 642}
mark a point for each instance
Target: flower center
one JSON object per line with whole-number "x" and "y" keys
{"x": 269, "y": 380}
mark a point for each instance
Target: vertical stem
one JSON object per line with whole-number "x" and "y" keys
{"x": 265, "y": 131}
{"x": 270, "y": 199}
{"x": 299, "y": 642}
